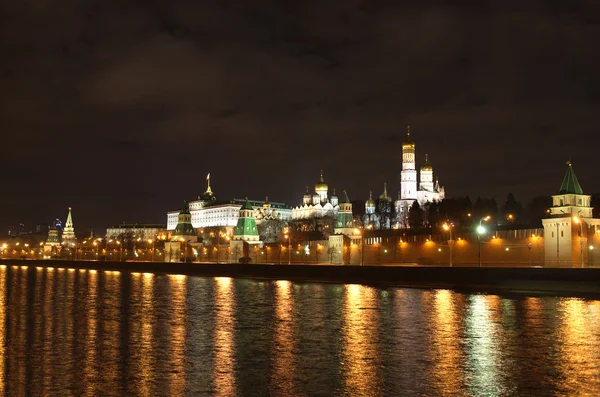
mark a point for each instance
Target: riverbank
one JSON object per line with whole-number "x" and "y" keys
{"x": 563, "y": 281}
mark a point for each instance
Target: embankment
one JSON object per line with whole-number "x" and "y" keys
{"x": 561, "y": 281}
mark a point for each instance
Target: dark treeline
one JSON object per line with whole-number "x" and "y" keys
{"x": 464, "y": 213}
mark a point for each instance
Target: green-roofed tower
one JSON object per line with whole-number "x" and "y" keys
{"x": 246, "y": 225}
{"x": 344, "y": 219}
{"x": 570, "y": 200}
{"x": 570, "y": 183}
{"x": 184, "y": 229}
{"x": 570, "y": 225}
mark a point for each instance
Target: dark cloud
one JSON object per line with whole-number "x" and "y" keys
{"x": 264, "y": 94}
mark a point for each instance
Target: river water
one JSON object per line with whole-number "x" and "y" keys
{"x": 79, "y": 332}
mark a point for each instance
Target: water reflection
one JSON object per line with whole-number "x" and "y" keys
{"x": 579, "y": 348}
{"x": 360, "y": 358}
{"x": 2, "y": 328}
{"x": 178, "y": 334}
{"x": 484, "y": 356}
{"x": 223, "y": 375}
{"x": 445, "y": 341}
{"x": 146, "y": 324}
{"x": 284, "y": 339}
{"x": 90, "y": 362}
{"x": 94, "y": 333}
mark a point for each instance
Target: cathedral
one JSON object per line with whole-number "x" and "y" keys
{"x": 318, "y": 204}
{"x": 379, "y": 214}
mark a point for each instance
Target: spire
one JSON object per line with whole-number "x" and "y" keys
{"x": 307, "y": 189}
{"x": 427, "y": 166}
{"x": 69, "y": 222}
{"x": 208, "y": 183}
{"x": 266, "y": 199}
{"x": 437, "y": 184}
{"x": 321, "y": 180}
{"x": 408, "y": 142}
{"x": 69, "y": 232}
{"x": 385, "y": 188}
{"x": 570, "y": 183}
{"x": 370, "y": 195}
{"x": 346, "y": 199}
{"x": 247, "y": 206}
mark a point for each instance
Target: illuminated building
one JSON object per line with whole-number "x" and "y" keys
{"x": 571, "y": 222}
{"x": 53, "y": 240}
{"x": 144, "y": 231}
{"x": 68, "y": 235}
{"x": 427, "y": 190}
{"x": 207, "y": 211}
{"x": 183, "y": 234}
{"x": 317, "y": 205}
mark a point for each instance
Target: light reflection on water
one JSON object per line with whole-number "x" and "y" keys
{"x": 119, "y": 334}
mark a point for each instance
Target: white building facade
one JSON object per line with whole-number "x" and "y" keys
{"x": 206, "y": 211}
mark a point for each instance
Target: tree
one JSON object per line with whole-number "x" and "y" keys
{"x": 415, "y": 216}
{"x": 384, "y": 210}
{"x": 538, "y": 210}
{"x": 512, "y": 210}
{"x": 270, "y": 230}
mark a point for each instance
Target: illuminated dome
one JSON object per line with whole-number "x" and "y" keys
{"x": 427, "y": 166}
{"x": 408, "y": 143}
{"x": 370, "y": 202}
{"x": 321, "y": 186}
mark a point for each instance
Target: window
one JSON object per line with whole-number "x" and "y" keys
{"x": 552, "y": 234}
{"x": 561, "y": 234}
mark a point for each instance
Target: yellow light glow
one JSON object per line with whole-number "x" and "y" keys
{"x": 576, "y": 219}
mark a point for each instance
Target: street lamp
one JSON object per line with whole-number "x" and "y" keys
{"x": 448, "y": 227}
{"x": 289, "y": 239}
{"x": 480, "y": 231}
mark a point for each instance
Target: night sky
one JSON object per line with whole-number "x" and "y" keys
{"x": 120, "y": 109}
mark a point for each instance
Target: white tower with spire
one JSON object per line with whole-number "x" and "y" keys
{"x": 427, "y": 176}
{"x": 411, "y": 189}
{"x": 68, "y": 235}
{"x": 408, "y": 176}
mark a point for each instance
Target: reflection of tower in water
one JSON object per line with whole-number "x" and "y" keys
{"x": 360, "y": 334}
{"x": 284, "y": 366}
{"x": 223, "y": 374}
{"x": 177, "y": 330}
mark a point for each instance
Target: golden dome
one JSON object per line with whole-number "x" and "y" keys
{"x": 370, "y": 202}
{"x": 321, "y": 186}
{"x": 427, "y": 166}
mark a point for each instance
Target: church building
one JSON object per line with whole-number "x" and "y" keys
{"x": 318, "y": 204}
